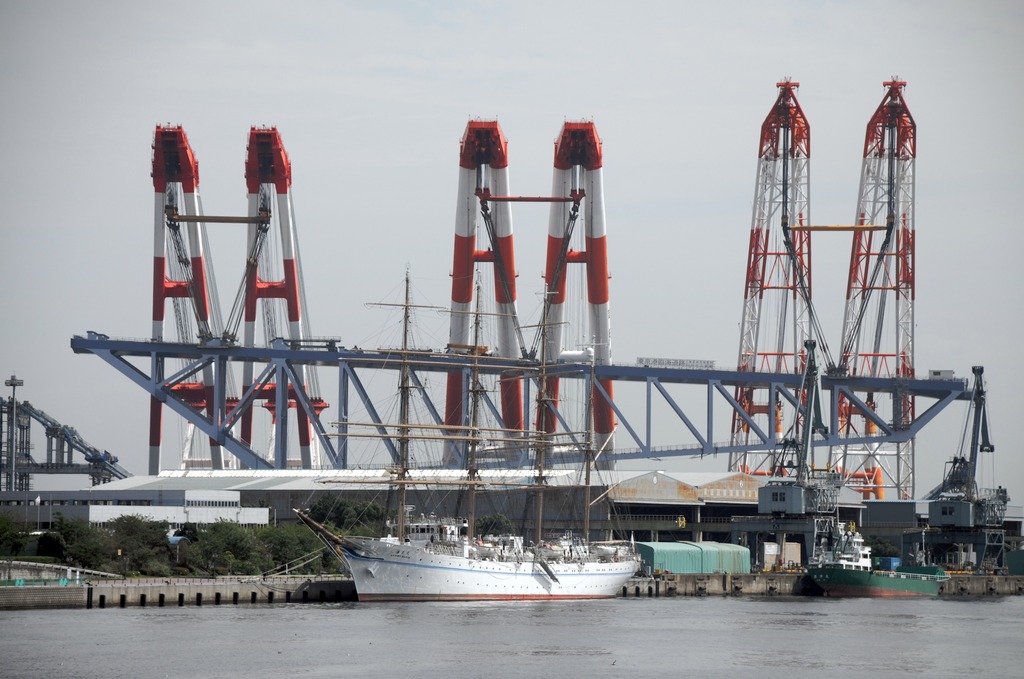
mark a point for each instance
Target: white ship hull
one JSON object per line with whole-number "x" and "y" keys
{"x": 385, "y": 571}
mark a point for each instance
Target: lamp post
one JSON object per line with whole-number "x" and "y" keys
{"x": 39, "y": 503}
{"x": 13, "y": 383}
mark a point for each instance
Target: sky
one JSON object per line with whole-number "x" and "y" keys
{"x": 371, "y": 100}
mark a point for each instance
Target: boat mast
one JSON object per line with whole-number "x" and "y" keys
{"x": 543, "y": 402}
{"x": 588, "y": 455}
{"x": 473, "y": 423}
{"x": 403, "y": 414}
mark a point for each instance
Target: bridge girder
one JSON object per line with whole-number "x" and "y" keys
{"x": 284, "y": 358}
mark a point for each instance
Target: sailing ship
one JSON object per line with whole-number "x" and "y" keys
{"x": 435, "y": 558}
{"x": 848, "y": 571}
{"x": 437, "y": 561}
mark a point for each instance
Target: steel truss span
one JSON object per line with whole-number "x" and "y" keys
{"x": 663, "y": 388}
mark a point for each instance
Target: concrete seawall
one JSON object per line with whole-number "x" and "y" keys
{"x": 279, "y": 590}
{"x": 790, "y": 584}
{"x": 983, "y": 585}
{"x": 716, "y": 584}
{"x": 180, "y": 592}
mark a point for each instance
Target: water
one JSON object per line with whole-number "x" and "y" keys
{"x": 785, "y": 637}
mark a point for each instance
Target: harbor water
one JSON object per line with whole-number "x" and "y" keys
{"x": 668, "y": 637}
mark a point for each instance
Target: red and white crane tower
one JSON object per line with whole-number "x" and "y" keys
{"x": 181, "y": 275}
{"x": 275, "y": 277}
{"x": 878, "y": 326}
{"x": 483, "y": 174}
{"x": 483, "y": 182}
{"x": 186, "y": 277}
{"x": 578, "y": 173}
{"x": 777, "y": 317}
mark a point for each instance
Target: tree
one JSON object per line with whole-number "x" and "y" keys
{"x": 493, "y": 524}
{"x": 880, "y": 547}
{"x": 13, "y": 536}
{"x": 142, "y": 543}
{"x": 226, "y": 547}
{"x": 93, "y": 548}
{"x": 288, "y": 544}
{"x": 350, "y": 518}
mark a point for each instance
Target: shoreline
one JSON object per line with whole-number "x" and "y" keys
{"x": 256, "y": 590}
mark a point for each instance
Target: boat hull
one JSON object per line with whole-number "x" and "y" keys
{"x": 840, "y": 582}
{"x": 392, "y": 572}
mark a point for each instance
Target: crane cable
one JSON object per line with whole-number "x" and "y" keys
{"x": 251, "y": 268}
{"x": 499, "y": 263}
{"x": 184, "y": 261}
{"x": 805, "y": 293}
{"x": 883, "y": 251}
{"x": 560, "y": 262}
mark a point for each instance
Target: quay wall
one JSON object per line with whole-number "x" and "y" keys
{"x": 21, "y": 598}
{"x": 716, "y": 584}
{"x": 790, "y": 584}
{"x": 983, "y": 585}
{"x": 278, "y": 590}
{"x": 179, "y": 592}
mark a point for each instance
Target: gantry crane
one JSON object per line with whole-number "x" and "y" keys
{"x": 578, "y": 175}
{"x": 186, "y": 277}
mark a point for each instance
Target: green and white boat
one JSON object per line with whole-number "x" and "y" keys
{"x": 847, "y": 571}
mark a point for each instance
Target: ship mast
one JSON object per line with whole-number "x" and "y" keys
{"x": 403, "y": 414}
{"x": 543, "y": 401}
{"x": 473, "y": 472}
{"x": 588, "y": 455}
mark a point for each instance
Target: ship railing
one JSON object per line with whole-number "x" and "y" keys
{"x": 913, "y": 576}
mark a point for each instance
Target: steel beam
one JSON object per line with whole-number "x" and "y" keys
{"x": 284, "y": 358}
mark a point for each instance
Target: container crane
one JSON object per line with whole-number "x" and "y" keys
{"x": 877, "y": 270}
{"x": 270, "y": 274}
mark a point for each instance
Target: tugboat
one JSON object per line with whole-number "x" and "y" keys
{"x": 847, "y": 571}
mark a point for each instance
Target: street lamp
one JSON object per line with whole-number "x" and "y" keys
{"x": 13, "y": 383}
{"x": 39, "y": 502}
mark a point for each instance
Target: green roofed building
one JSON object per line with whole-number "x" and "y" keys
{"x": 694, "y": 557}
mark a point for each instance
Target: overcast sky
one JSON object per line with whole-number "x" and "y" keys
{"x": 371, "y": 100}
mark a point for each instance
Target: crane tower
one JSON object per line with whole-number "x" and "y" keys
{"x": 274, "y": 276}
{"x": 483, "y": 172}
{"x": 578, "y": 172}
{"x": 878, "y": 325}
{"x": 776, "y": 318}
{"x": 183, "y": 276}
